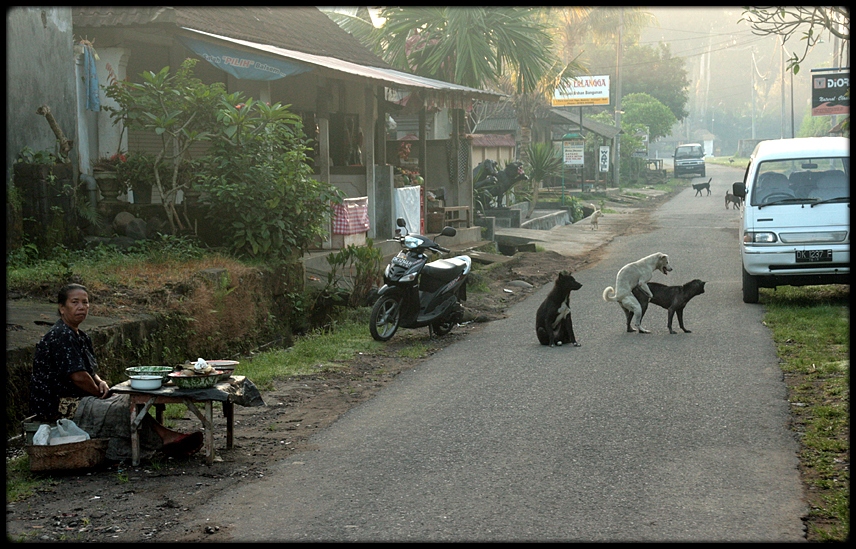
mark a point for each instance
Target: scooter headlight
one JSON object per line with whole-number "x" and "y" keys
{"x": 408, "y": 278}
{"x": 412, "y": 242}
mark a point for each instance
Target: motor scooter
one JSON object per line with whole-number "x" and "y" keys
{"x": 417, "y": 293}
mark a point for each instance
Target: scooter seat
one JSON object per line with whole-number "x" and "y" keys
{"x": 444, "y": 269}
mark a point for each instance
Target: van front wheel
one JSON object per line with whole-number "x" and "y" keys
{"x": 750, "y": 288}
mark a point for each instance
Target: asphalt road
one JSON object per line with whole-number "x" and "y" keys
{"x": 631, "y": 437}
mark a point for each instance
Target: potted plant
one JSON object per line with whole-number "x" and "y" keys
{"x": 136, "y": 174}
{"x": 106, "y": 172}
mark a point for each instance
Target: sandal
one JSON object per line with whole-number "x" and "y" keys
{"x": 184, "y": 446}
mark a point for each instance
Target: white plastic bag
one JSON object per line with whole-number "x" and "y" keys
{"x": 68, "y": 428}
{"x": 43, "y": 435}
{"x": 65, "y": 432}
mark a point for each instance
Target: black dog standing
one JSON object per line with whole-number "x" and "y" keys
{"x": 672, "y": 298}
{"x": 553, "y": 323}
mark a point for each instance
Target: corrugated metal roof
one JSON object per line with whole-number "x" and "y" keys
{"x": 302, "y": 34}
{"x": 497, "y": 125}
{"x": 444, "y": 93}
{"x": 303, "y": 28}
{"x": 493, "y": 140}
{"x": 503, "y": 123}
{"x": 565, "y": 117}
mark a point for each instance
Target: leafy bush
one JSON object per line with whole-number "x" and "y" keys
{"x": 259, "y": 183}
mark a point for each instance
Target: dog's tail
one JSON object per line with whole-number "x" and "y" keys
{"x": 609, "y": 294}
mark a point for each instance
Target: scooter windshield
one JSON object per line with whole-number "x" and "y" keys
{"x": 413, "y": 242}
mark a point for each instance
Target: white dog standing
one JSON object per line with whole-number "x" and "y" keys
{"x": 635, "y": 274}
{"x": 594, "y": 217}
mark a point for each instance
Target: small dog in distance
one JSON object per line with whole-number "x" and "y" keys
{"x": 735, "y": 201}
{"x": 699, "y": 187}
{"x": 671, "y": 298}
{"x": 594, "y": 217}
{"x": 553, "y": 322}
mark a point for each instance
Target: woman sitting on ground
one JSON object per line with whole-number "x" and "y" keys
{"x": 65, "y": 384}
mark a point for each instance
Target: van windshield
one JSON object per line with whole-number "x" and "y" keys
{"x": 693, "y": 151}
{"x": 800, "y": 181}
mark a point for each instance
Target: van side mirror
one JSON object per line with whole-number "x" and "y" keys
{"x": 738, "y": 189}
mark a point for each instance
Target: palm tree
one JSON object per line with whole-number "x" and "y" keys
{"x": 468, "y": 46}
{"x": 544, "y": 161}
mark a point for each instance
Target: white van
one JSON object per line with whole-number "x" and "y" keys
{"x": 795, "y": 221}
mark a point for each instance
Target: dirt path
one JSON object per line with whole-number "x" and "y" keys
{"x": 155, "y": 501}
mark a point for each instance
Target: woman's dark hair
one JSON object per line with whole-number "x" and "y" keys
{"x": 62, "y": 296}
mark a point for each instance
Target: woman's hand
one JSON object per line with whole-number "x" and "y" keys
{"x": 92, "y": 385}
{"x": 103, "y": 388}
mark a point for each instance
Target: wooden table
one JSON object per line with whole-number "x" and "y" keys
{"x": 235, "y": 390}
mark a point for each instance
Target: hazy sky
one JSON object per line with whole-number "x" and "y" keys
{"x": 719, "y": 54}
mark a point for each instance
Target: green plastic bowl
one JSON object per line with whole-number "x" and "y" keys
{"x": 188, "y": 380}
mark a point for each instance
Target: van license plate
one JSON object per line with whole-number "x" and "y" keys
{"x": 813, "y": 256}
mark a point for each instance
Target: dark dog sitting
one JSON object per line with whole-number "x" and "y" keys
{"x": 553, "y": 323}
{"x": 672, "y": 298}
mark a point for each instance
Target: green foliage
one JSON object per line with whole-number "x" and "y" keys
{"x": 318, "y": 351}
{"x": 814, "y": 126}
{"x": 43, "y": 157}
{"x": 575, "y": 208}
{"x": 358, "y": 268}
{"x": 654, "y": 72}
{"x": 641, "y": 109}
{"x": 472, "y": 46}
{"x": 27, "y": 271}
{"x": 137, "y": 171}
{"x": 545, "y": 161}
{"x": 258, "y": 160}
{"x": 180, "y": 110}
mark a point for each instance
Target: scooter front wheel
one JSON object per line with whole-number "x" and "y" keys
{"x": 384, "y": 318}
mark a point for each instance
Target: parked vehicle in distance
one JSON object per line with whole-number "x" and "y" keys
{"x": 795, "y": 221}
{"x": 689, "y": 159}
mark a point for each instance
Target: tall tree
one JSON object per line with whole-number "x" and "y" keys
{"x": 469, "y": 46}
{"x": 509, "y": 49}
{"x": 809, "y": 21}
{"x": 646, "y": 110}
{"x": 654, "y": 71}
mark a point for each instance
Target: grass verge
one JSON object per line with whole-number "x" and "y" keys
{"x": 811, "y": 329}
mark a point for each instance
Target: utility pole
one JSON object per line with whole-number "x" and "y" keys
{"x": 617, "y": 171}
{"x": 782, "y": 111}
{"x": 753, "y": 92}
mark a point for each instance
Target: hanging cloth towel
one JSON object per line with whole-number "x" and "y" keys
{"x": 352, "y": 216}
{"x": 93, "y": 99}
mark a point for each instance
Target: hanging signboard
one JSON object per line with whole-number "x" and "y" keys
{"x": 603, "y": 159}
{"x": 829, "y": 92}
{"x": 574, "y": 152}
{"x": 582, "y": 91}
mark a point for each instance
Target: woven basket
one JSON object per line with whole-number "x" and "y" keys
{"x": 77, "y": 455}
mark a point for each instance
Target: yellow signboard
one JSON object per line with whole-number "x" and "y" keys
{"x": 581, "y": 102}
{"x": 582, "y": 91}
